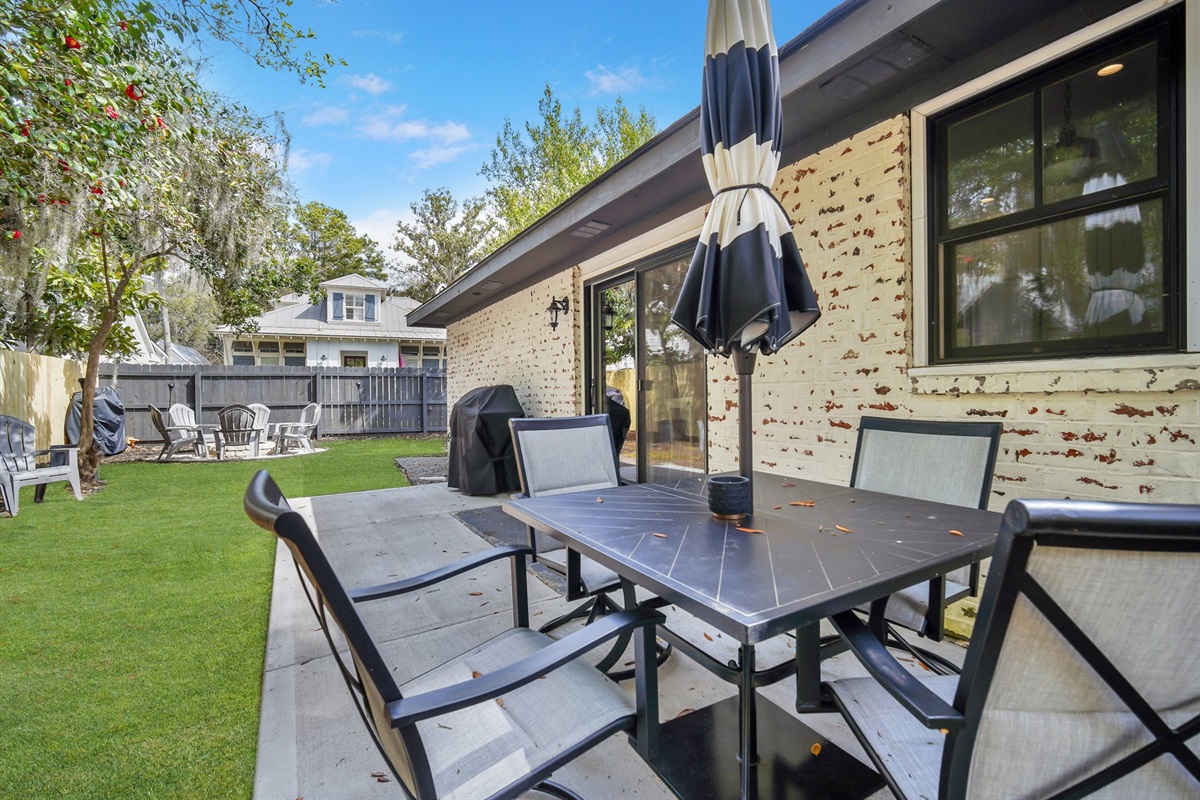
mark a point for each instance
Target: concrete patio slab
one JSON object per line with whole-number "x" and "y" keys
{"x": 312, "y": 743}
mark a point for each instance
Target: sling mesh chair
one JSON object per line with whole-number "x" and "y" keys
{"x": 573, "y": 454}
{"x": 946, "y": 462}
{"x": 1081, "y": 678}
{"x": 443, "y": 734}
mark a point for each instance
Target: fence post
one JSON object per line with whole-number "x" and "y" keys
{"x": 317, "y": 398}
{"x": 199, "y": 402}
{"x": 424, "y": 402}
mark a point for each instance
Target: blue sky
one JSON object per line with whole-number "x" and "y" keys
{"x": 428, "y": 85}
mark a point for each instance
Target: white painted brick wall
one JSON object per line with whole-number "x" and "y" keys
{"x": 1123, "y": 434}
{"x": 511, "y": 342}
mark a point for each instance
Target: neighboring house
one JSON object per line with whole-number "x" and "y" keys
{"x": 357, "y": 324}
{"x": 149, "y": 351}
{"x": 996, "y": 219}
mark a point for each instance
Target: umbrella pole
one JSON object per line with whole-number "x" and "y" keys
{"x": 743, "y": 363}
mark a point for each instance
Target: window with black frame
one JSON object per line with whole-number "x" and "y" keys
{"x": 1055, "y": 209}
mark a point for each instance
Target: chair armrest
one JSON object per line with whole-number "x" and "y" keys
{"x": 929, "y": 709}
{"x": 438, "y": 575}
{"x": 409, "y": 710}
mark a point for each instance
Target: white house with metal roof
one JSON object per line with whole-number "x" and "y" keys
{"x": 356, "y": 324}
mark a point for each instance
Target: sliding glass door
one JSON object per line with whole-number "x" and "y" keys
{"x": 646, "y": 364}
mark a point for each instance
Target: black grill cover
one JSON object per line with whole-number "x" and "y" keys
{"x": 109, "y": 414}
{"x": 481, "y": 452}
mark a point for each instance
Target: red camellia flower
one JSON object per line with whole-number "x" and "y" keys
{"x": 16, "y": 234}
{"x": 161, "y": 124}
{"x": 112, "y": 112}
{"x": 132, "y": 92}
{"x": 97, "y": 189}
{"x": 67, "y": 82}
{"x": 25, "y": 127}
{"x": 124, "y": 25}
{"x": 71, "y": 43}
{"x": 65, "y": 166}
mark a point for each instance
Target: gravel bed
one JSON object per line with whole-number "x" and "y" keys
{"x": 424, "y": 469}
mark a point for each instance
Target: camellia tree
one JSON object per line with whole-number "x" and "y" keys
{"x": 112, "y": 154}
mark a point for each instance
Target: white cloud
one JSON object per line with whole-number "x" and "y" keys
{"x": 627, "y": 79}
{"x": 380, "y": 225}
{"x": 302, "y": 160}
{"x": 369, "y": 83}
{"x": 395, "y": 37}
{"x": 428, "y": 157}
{"x": 327, "y": 115}
{"x": 387, "y": 126}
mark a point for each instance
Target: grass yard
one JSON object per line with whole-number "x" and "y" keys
{"x": 134, "y": 624}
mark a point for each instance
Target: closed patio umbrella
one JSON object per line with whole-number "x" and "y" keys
{"x": 746, "y": 290}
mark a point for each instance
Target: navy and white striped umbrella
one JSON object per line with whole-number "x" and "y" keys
{"x": 746, "y": 289}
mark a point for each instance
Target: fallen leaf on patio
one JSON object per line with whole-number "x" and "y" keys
{"x": 778, "y": 507}
{"x": 816, "y": 749}
{"x": 447, "y": 727}
{"x": 383, "y": 779}
{"x": 500, "y": 702}
{"x": 788, "y": 485}
{"x": 843, "y": 530}
{"x": 805, "y": 503}
{"x": 476, "y": 674}
{"x": 378, "y": 774}
{"x": 659, "y": 535}
{"x": 537, "y": 613}
{"x": 476, "y": 594}
{"x": 685, "y": 711}
{"x": 706, "y": 636}
{"x": 750, "y": 530}
{"x": 956, "y": 533}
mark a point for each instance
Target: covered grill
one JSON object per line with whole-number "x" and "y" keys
{"x": 481, "y": 450}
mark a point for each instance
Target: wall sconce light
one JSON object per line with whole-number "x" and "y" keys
{"x": 609, "y": 316}
{"x": 557, "y": 307}
{"x": 324, "y": 359}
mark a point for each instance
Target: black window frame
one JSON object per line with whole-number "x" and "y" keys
{"x": 1167, "y": 185}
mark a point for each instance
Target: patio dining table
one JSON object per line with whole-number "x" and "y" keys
{"x": 809, "y": 550}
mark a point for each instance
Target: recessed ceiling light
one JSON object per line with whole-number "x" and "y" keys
{"x": 590, "y": 228}
{"x": 1111, "y": 69}
{"x": 492, "y": 285}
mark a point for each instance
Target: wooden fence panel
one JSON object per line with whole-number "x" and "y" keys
{"x": 355, "y": 401}
{"x": 38, "y": 390}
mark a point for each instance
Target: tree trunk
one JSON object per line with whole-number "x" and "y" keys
{"x": 166, "y": 317}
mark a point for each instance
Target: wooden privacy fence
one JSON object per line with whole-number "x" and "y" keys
{"x": 353, "y": 400}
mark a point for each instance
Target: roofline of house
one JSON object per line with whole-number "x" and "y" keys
{"x": 664, "y": 178}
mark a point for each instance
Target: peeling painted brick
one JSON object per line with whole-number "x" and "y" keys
{"x": 1127, "y": 410}
{"x": 1094, "y": 482}
{"x": 882, "y": 389}
{"x": 979, "y": 412}
{"x": 840, "y": 424}
{"x": 1167, "y": 411}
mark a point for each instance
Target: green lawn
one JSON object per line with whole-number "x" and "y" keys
{"x": 134, "y": 624}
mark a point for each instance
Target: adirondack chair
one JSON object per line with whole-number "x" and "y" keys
{"x": 184, "y": 417}
{"x": 176, "y": 438}
{"x": 19, "y": 467}
{"x": 297, "y": 433}
{"x": 237, "y": 430}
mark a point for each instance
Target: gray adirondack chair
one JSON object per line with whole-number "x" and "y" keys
{"x": 297, "y": 434}
{"x": 237, "y": 430}
{"x": 176, "y": 437}
{"x": 19, "y": 467}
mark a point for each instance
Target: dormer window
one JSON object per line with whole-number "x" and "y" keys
{"x": 354, "y": 306}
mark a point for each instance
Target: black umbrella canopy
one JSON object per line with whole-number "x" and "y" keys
{"x": 746, "y": 289}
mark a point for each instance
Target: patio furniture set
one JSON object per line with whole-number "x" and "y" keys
{"x": 242, "y": 427}
{"x": 1050, "y": 702}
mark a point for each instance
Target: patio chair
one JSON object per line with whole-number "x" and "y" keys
{"x": 262, "y": 417}
{"x": 571, "y": 454}
{"x": 183, "y": 416}
{"x": 298, "y": 433}
{"x": 947, "y": 462}
{"x": 1081, "y": 679}
{"x": 499, "y": 719}
{"x": 237, "y": 430}
{"x": 176, "y": 438}
{"x": 19, "y": 467}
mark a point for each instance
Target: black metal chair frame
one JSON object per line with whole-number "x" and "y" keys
{"x": 1026, "y": 524}
{"x": 266, "y": 505}
{"x": 938, "y": 599}
{"x": 596, "y": 604}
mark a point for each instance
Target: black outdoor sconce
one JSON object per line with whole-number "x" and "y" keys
{"x": 555, "y": 308}
{"x": 609, "y": 316}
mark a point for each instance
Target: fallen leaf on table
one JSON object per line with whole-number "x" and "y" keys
{"x": 789, "y": 485}
{"x": 956, "y": 533}
{"x": 447, "y": 727}
{"x": 685, "y": 711}
{"x": 805, "y": 503}
{"x": 476, "y": 674}
{"x": 843, "y": 530}
{"x": 500, "y": 702}
{"x": 476, "y": 594}
{"x": 383, "y": 779}
{"x": 378, "y": 774}
{"x": 815, "y": 749}
{"x": 750, "y": 530}
{"x": 629, "y": 663}
{"x": 778, "y": 507}
{"x": 659, "y": 535}
{"x": 944, "y": 730}
{"x": 706, "y": 636}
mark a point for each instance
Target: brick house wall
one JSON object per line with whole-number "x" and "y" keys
{"x": 1123, "y": 433}
{"x": 511, "y": 342}
{"x": 1112, "y": 429}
